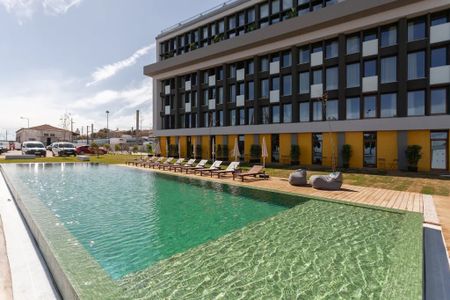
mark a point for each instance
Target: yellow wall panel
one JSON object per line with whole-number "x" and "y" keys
{"x": 355, "y": 140}
{"x": 163, "y": 146}
{"x": 329, "y": 149}
{"x": 205, "y": 147}
{"x": 285, "y": 148}
{"x": 248, "y": 142}
{"x": 305, "y": 143}
{"x": 422, "y": 138}
{"x": 183, "y": 143}
{"x": 387, "y": 150}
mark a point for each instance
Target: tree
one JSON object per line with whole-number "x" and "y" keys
{"x": 95, "y": 147}
{"x": 116, "y": 147}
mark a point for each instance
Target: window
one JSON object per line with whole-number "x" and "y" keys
{"x": 264, "y": 88}
{"x": 388, "y": 105}
{"x": 439, "y": 57}
{"x": 370, "y": 149}
{"x": 304, "y": 83}
{"x": 241, "y": 19}
{"x": 438, "y": 20}
{"x": 264, "y": 64}
{"x": 287, "y": 113}
{"x": 438, "y": 101}
{"x": 388, "y": 36}
{"x": 331, "y": 49}
{"x": 317, "y": 143}
{"x": 287, "y": 4}
{"x": 251, "y": 116}
{"x": 232, "y": 22}
{"x": 416, "y": 65}
{"x": 264, "y": 11}
{"x": 303, "y": 55}
{"x": 206, "y": 119}
{"x": 232, "y": 93}
{"x": 416, "y": 103}
{"x": 332, "y": 110}
{"x": 370, "y": 68}
{"x": 416, "y": 30}
{"x": 317, "y": 77}
{"x": 220, "y": 91}
{"x": 286, "y": 59}
{"x": 232, "y": 117}
{"x": 241, "y": 116}
{"x": 370, "y": 107}
{"x": 275, "y": 6}
{"x": 332, "y": 78}
{"x": 317, "y": 111}
{"x": 220, "y": 116}
{"x": 250, "y": 90}
{"x": 353, "y": 108}
{"x": 389, "y": 69}
{"x": 265, "y": 115}
{"x": 304, "y": 112}
{"x": 275, "y": 83}
{"x": 276, "y": 114}
{"x": 287, "y": 85}
{"x": 353, "y": 77}
{"x": 220, "y": 74}
{"x": 250, "y": 67}
{"x": 232, "y": 73}
{"x": 251, "y": 15}
{"x": 353, "y": 45}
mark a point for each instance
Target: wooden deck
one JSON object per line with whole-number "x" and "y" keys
{"x": 408, "y": 201}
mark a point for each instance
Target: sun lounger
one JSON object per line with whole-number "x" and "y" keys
{"x": 168, "y": 165}
{"x": 254, "y": 171}
{"x": 232, "y": 167}
{"x": 168, "y": 161}
{"x": 180, "y": 167}
{"x": 145, "y": 160}
{"x": 214, "y": 167}
{"x": 200, "y": 165}
{"x": 330, "y": 182}
{"x": 150, "y": 163}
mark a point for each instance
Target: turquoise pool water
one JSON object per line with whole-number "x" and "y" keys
{"x": 122, "y": 233}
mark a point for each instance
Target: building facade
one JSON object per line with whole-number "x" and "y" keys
{"x": 46, "y": 134}
{"x": 308, "y": 75}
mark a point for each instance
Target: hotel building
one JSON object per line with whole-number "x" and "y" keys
{"x": 317, "y": 74}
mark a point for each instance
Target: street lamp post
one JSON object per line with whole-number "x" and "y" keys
{"x": 107, "y": 125}
{"x": 28, "y": 120}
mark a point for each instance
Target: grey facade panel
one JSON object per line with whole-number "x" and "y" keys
{"x": 402, "y": 143}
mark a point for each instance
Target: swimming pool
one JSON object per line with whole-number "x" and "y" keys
{"x": 125, "y": 233}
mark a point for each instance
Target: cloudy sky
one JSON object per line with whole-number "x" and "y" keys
{"x": 81, "y": 57}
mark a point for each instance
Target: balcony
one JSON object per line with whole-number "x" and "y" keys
{"x": 440, "y": 75}
{"x": 317, "y": 58}
{"x": 187, "y": 86}
{"x": 240, "y": 74}
{"x": 212, "y": 80}
{"x": 275, "y": 96}
{"x": 167, "y": 90}
{"x": 167, "y": 110}
{"x": 274, "y": 67}
{"x": 370, "y": 84}
{"x": 317, "y": 90}
{"x": 212, "y": 104}
{"x": 370, "y": 48}
{"x": 440, "y": 33}
{"x": 240, "y": 100}
{"x": 188, "y": 107}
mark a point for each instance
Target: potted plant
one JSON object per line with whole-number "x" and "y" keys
{"x": 255, "y": 153}
{"x": 295, "y": 153}
{"x": 346, "y": 154}
{"x": 291, "y": 13}
{"x": 413, "y": 155}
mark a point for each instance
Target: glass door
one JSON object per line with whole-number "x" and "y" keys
{"x": 439, "y": 146}
{"x": 370, "y": 150}
{"x": 275, "y": 148}
{"x": 317, "y": 144}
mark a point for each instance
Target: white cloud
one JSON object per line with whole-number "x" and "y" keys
{"x": 110, "y": 70}
{"x": 25, "y": 9}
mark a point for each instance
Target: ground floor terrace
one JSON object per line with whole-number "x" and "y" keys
{"x": 384, "y": 150}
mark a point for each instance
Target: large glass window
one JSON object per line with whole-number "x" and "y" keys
{"x": 438, "y": 20}
{"x": 304, "y": 83}
{"x": 388, "y": 36}
{"x": 416, "y": 103}
{"x": 287, "y": 4}
{"x": 353, "y": 45}
{"x": 275, "y": 83}
{"x": 304, "y": 55}
{"x": 264, "y": 64}
{"x": 438, "y": 101}
{"x": 264, "y": 88}
{"x": 220, "y": 91}
{"x": 416, "y": 65}
{"x": 250, "y": 67}
{"x": 317, "y": 77}
{"x": 251, "y": 116}
{"x": 332, "y": 78}
{"x": 388, "y": 105}
{"x": 389, "y": 69}
{"x": 241, "y": 116}
{"x": 416, "y": 30}
{"x": 304, "y": 111}
{"x": 275, "y": 6}
{"x": 265, "y": 115}
{"x": 353, "y": 75}
{"x": 276, "y": 114}
{"x": 331, "y": 49}
{"x": 250, "y": 90}
{"x": 439, "y": 57}
{"x": 286, "y": 59}
{"x": 370, "y": 68}
{"x": 439, "y": 146}
{"x": 353, "y": 108}
{"x": 317, "y": 111}
{"x": 264, "y": 10}
{"x": 232, "y": 117}
{"x": 287, "y": 113}
{"x": 317, "y": 143}
{"x": 287, "y": 85}
{"x": 232, "y": 93}
{"x": 332, "y": 110}
{"x": 370, "y": 107}
{"x": 370, "y": 149}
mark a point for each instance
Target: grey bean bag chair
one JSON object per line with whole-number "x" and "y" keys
{"x": 330, "y": 182}
{"x": 298, "y": 177}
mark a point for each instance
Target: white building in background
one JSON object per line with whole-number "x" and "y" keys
{"x": 46, "y": 134}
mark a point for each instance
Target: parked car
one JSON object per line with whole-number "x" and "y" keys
{"x": 81, "y": 150}
{"x": 36, "y": 148}
{"x": 4, "y": 147}
{"x": 50, "y": 147}
{"x": 63, "y": 149}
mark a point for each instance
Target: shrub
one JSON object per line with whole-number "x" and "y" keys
{"x": 149, "y": 148}
{"x": 135, "y": 148}
{"x": 107, "y": 147}
{"x": 117, "y": 147}
{"x": 346, "y": 154}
